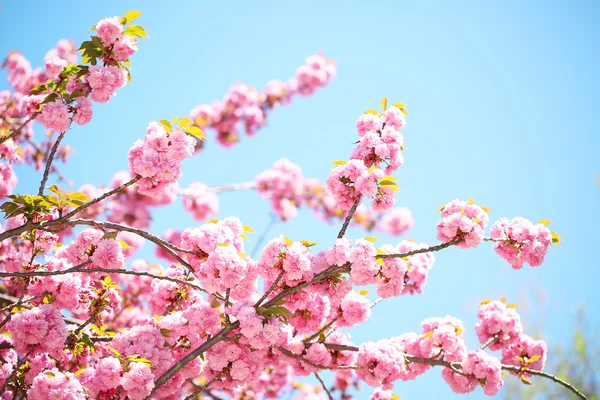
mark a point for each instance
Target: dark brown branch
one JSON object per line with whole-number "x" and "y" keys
{"x": 349, "y": 217}
{"x": 205, "y": 386}
{"x": 16, "y": 131}
{"x": 419, "y": 251}
{"x": 323, "y": 386}
{"x": 268, "y": 291}
{"x": 79, "y": 269}
{"x": 49, "y": 161}
{"x": 16, "y": 368}
{"x": 102, "y": 197}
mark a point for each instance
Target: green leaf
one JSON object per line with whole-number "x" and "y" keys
{"x": 115, "y": 352}
{"x": 77, "y": 199}
{"x": 307, "y": 243}
{"x": 136, "y": 30}
{"x": 544, "y": 222}
{"x": 384, "y": 103}
{"x": 166, "y": 124}
{"x": 274, "y": 311}
{"x": 165, "y": 332}
{"x": 124, "y": 244}
{"x": 185, "y": 121}
{"x": 555, "y": 238}
{"x": 132, "y": 15}
{"x": 339, "y": 162}
{"x": 195, "y": 131}
{"x": 50, "y": 98}
{"x": 247, "y": 229}
{"x": 77, "y": 93}
{"x": 372, "y": 112}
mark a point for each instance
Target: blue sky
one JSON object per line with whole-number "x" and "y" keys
{"x": 503, "y": 100}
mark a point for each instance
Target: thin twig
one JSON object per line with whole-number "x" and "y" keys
{"x": 94, "y": 270}
{"x": 205, "y": 386}
{"x": 235, "y": 186}
{"x": 49, "y": 161}
{"x": 488, "y": 342}
{"x": 323, "y": 386}
{"x": 263, "y": 235}
{"x": 418, "y": 251}
{"x": 17, "y": 304}
{"x": 16, "y": 131}
{"x": 102, "y": 197}
{"x": 349, "y": 217}
{"x": 271, "y": 288}
{"x": 16, "y": 368}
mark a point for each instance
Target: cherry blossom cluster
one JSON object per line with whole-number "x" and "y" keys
{"x": 380, "y": 139}
{"x": 288, "y": 189}
{"x": 62, "y": 92}
{"x": 462, "y": 222}
{"x": 158, "y": 158}
{"x": 350, "y": 181}
{"x": 200, "y": 201}
{"x": 86, "y": 320}
{"x": 244, "y": 105}
{"x": 521, "y": 242}
{"x": 284, "y": 186}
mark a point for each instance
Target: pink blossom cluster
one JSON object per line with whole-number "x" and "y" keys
{"x": 244, "y": 105}
{"x": 442, "y": 336}
{"x": 116, "y": 40}
{"x": 41, "y": 328}
{"x": 462, "y": 222}
{"x": 200, "y": 201}
{"x": 284, "y": 186}
{"x": 293, "y": 260}
{"x": 397, "y": 221}
{"x": 131, "y": 207}
{"x": 104, "y": 81}
{"x": 382, "y": 362}
{"x": 482, "y": 369}
{"x": 349, "y": 181}
{"x": 418, "y": 266}
{"x": 499, "y": 323}
{"x": 380, "y": 139}
{"x": 158, "y": 158}
{"x": 8, "y": 179}
{"x": 526, "y": 352}
{"x": 521, "y": 242}
{"x": 54, "y": 384}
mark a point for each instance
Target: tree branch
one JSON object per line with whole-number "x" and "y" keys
{"x": 50, "y": 159}
{"x": 16, "y": 131}
{"x": 349, "y": 217}
{"x": 323, "y": 386}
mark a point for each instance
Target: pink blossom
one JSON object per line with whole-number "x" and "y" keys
{"x": 8, "y": 180}
{"x": 83, "y": 111}
{"x": 462, "y": 222}
{"x": 138, "y": 382}
{"x": 482, "y": 369}
{"x": 521, "y": 242}
{"x": 55, "y": 116}
{"x": 200, "y": 201}
{"x": 41, "y": 326}
{"x": 53, "y": 384}
{"x": 496, "y": 320}
{"x": 526, "y": 352}
{"x": 108, "y": 254}
{"x": 397, "y": 221}
{"x": 355, "y": 309}
{"x": 109, "y": 30}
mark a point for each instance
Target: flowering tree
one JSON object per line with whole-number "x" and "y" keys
{"x": 82, "y": 319}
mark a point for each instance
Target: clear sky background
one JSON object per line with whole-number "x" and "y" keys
{"x": 503, "y": 106}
